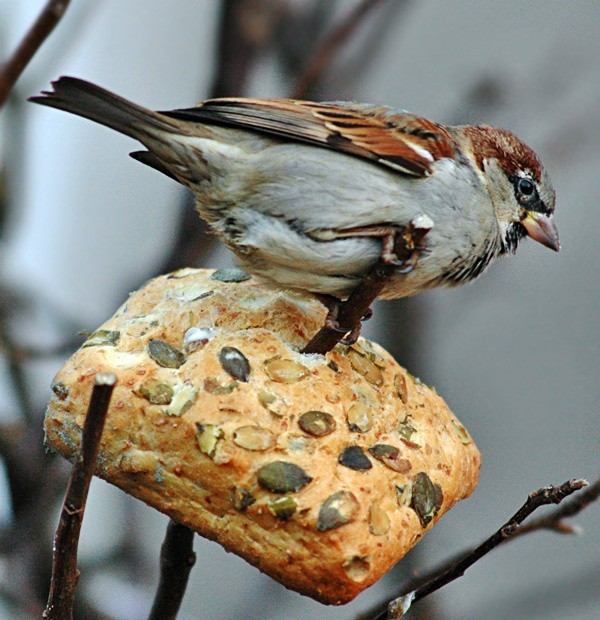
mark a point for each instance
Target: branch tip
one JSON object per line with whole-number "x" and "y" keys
{"x": 105, "y": 378}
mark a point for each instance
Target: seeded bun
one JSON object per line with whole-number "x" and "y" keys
{"x": 322, "y": 471}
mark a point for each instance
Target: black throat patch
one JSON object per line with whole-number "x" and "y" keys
{"x": 514, "y": 233}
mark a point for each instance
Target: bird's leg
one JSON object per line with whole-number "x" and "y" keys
{"x": 332, "y": 304}
{"x": 402, "y": 247}
{"x": 389, "y": 253}
{"x": 333, "y": 308}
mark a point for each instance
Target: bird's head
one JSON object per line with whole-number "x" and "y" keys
{"x": 520, "y": 188}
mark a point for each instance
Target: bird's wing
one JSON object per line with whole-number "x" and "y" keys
{"x": 400, "y": 141}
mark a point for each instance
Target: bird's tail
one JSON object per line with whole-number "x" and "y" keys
{"x": 90, "y": 101}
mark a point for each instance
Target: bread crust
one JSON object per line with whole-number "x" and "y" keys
{"x": 202, "y": 436}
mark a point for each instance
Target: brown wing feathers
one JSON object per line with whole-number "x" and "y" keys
{"x": 403, "y": 142}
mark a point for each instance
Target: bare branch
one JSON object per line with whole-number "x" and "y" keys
{"x": 63, "y": 584}
{"x": 45, "y": 23}
{"x": 441, "y": 577}
{"x": 323, "y": 56}
{"x": 177, "y": 558}
{"x": 555, "y": 520}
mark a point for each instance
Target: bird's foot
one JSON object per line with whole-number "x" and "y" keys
{"x": 333, "y": 307}
{"x": 403, "y": 245}
{"x": 352, "y": 335}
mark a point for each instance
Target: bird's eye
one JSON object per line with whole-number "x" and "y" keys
{"x": 525, "y": 189}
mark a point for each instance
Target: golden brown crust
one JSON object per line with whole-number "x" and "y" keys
{"x": 204, "y": 440}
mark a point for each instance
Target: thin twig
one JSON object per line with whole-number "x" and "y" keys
{"x": 176, "y": 560}
{"x": 40, "y": 30}
{"x": 554, "y": 521}
{"x": 322, "y": 58}
{"x": 63, "y": 584}
{"x": 542, "y": 497}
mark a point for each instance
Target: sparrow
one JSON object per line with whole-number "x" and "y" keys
{"x": 312, "y": 195}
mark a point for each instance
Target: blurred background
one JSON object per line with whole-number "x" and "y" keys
{"x": 516, "y": 356}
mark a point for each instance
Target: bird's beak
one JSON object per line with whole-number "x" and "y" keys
{"x": 541, "y": 228}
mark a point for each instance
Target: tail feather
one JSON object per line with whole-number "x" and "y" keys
{"x": 97, "y": 104}
{"x": 150, "y": 159}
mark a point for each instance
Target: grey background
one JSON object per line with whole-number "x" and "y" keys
{"x": 516, "y": 355}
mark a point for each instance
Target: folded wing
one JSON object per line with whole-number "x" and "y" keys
{"x": 400, "y": 141}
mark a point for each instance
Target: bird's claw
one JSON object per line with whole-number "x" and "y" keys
{"x": 353, "y": 335}
{"x": 331, "y": 322}
{"x": 367, "y": 315}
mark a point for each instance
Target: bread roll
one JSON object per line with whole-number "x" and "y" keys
{"x": 322, "y": 471}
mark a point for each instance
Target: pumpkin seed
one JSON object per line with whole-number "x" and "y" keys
{"x": 235, "y": 363}
{"x": 208, "y": 437}
{"x": 196, "y": 337}
{"x": 183, "y": 398}
{"x": 404, "y": 494}
{"x": 253, "y": 438}
{"x": 283, "y": 507}
{"x": 406, "y": 430}
{"x": 384, "y": 451}
{"x": 269, "y": 401}
{"x": 401, "y": 387}
{"x": 338, "y": 509}
{"x": 354, "y": 458}
{"x": 155, "y": 392}
{"x": 102, "y": 338}
{"x": 233, "y": 274}
{"x": 212, "y": 386}
{"x": 363, "y": 365}
{"x": 379, "y": 521}
{"x": 390, "y": 457}
{"x": 164, "y": 354}
{"x": 285, "y": 371}
{"x": 360, "y": 417}
{"x": 317, "y": 423}
{"x": 282, "y": 477}
{"x": 427, "y": 498}
{"x": 242, "y": 499}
